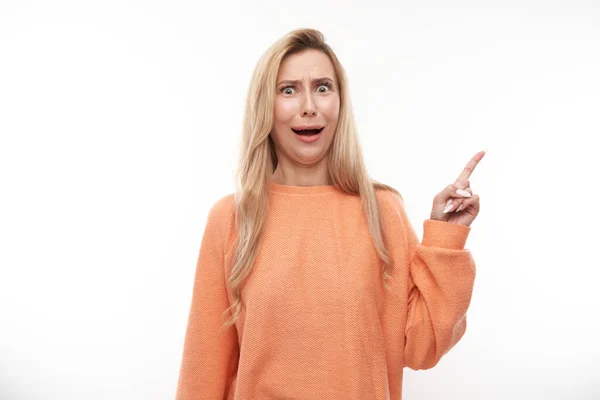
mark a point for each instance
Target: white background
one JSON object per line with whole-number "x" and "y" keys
{"x": 120, "y": 123}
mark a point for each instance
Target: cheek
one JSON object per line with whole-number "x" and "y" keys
{"x": 284, "y": 110}
{"x": 331, "y": 109}
{"x": 282, "y": 115}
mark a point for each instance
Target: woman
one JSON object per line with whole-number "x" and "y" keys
{"x": 328, "y": 291}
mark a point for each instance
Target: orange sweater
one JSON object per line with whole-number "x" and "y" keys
{"x": 316, "y": 321}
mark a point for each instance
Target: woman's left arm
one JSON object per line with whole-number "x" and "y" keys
{"x": 441, "y": 273}
{"x": 440, "y": 284}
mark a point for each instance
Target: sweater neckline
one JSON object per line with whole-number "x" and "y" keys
{"x": 289, "y": 189}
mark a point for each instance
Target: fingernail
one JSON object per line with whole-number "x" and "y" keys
{"x": 463, "y": 193}
{"x": 449, "y": 207}
{"x": 459, "y": 208}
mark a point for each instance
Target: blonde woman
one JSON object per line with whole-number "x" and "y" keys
{"x": 310, "y": 281}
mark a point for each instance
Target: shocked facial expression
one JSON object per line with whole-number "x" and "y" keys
{"x": 306, "y": 107}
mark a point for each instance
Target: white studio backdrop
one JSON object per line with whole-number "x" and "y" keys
{"x": 120, "y": 126}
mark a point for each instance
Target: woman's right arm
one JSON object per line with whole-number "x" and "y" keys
{"x": 210, "y": 355}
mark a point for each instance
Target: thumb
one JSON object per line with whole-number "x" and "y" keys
{"x": 452, "y": 191}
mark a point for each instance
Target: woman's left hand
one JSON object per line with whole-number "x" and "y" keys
{"x": 457, "y": 204}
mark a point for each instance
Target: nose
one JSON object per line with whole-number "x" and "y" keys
{"x": 308, "y": 106}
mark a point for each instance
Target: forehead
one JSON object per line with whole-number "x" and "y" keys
{"x": 306, "y": 63}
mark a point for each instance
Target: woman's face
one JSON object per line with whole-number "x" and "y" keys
{"x": 312, "y": 101}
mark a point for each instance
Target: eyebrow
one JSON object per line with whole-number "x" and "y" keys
{"x": 297, "y": 81}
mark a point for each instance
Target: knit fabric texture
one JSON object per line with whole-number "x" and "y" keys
{"x": 317, "y": 322}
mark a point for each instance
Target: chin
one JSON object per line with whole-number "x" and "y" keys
{"x": 310, "y": 156}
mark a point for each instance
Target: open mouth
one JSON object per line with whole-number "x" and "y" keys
{"x": 307, "y": 132}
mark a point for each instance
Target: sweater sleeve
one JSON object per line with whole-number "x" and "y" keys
{"x": 439, "y": 286}
{"x": 210, "y": 356}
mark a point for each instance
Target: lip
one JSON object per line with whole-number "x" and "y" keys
{"x": 308, "y": 139}
{"x": 308, "y": 127}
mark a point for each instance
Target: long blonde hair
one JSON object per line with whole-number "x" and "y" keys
{"x": 258, "y": 159}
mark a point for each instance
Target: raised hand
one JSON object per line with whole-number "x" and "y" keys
{"x": 457, "y": 204}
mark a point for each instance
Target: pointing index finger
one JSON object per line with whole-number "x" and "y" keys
{"x": 470, "y": 167}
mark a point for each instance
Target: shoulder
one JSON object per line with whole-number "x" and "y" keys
{"x": 392, "y": 211}
{"x": 221, "y": 215}
{"x": 222, "y": 207}
{"x": 389, "y": 201}
{"x": 219, "y": 223}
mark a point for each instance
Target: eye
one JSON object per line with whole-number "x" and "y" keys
{"x": 325, "y": 84}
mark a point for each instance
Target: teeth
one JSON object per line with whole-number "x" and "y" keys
{"x": 311, "y": 129}
{"x": 308, "y": 132}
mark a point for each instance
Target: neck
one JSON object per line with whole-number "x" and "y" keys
{"x": 317, "y": 175}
